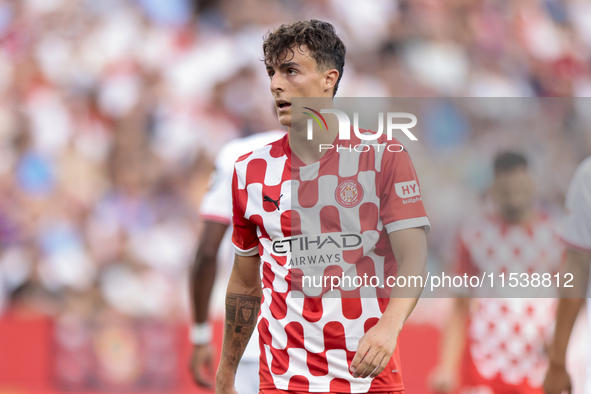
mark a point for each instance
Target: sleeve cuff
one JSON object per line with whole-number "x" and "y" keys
{"x": 409, "y": 223}
{"x": 216, "y": 219}
{"x": 575, "y": 247}
{"x": 248, "y": 252}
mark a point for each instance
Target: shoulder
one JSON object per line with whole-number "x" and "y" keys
{"x": 579, "y": 190}
{"x": 583, "y": 173}
{"x": 270, "y": 150}
{"x": 261, "y": 139}
{"x": 239, "y": 147}
{"x": 478, "y": 226}
{"x": 271, "y": 154}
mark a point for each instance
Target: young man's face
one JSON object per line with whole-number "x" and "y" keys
{"x": 514, "y": 192}
{"x": 299, "y": 76}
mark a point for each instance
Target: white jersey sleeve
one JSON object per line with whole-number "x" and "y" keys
{"x": 216, "y": 205}
{"x": 577, "y": 225}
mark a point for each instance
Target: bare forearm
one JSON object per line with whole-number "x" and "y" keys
{"x": 204, "y": 269}
{"x": 202, "y": 281}
{"x": 454, "y": 336}
{"x": 410, "y": 249}
{"x": 566, "y": 315}
{"x": 243, "y": 302}
{"x": 398, "y": 310}
{"x": 241, "y": 316}
{"x": 404, "y": 299}
{"x": 572, "y": 298}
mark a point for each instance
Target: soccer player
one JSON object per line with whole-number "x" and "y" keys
{"x": 497, "y": 345}
{"x": 216, "y": 212}
{"x": 364, "y": 215}
{"x": 577, "y": 238}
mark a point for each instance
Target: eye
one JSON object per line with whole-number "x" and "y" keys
{"x": 292, "y": 71}
{"x": 270, "y": 73}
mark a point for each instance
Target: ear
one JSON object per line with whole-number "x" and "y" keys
{"x": 330, "y": 79}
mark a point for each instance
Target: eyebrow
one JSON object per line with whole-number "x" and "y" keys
{"x": 285, "y": 65}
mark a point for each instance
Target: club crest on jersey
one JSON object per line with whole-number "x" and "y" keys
{"x": 349, "y": 193}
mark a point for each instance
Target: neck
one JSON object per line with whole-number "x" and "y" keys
{"x": 308, "y": 150}
{"x": 523, "y": 217}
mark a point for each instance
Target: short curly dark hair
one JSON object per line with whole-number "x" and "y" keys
{"x": 508, "y": 161}
{"x": 325, "y": 46}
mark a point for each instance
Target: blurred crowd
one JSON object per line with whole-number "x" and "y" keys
{"x": 112, "y": 111}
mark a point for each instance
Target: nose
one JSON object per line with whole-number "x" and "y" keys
{"x": 277, "y": 83}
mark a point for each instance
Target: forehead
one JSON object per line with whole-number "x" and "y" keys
{"x": 299, "y": 54}
{"x": 513, "y": 178}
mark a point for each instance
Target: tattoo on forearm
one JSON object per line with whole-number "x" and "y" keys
{"x": 241, "y": 317}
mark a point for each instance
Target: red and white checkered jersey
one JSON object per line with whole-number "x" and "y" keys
{"x": 334, "y": 214}
{"x": 216, "y": 206}
{"x": 576, "y": 231}
{"x": 506, "y": 336}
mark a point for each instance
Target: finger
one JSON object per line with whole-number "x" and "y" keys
{"x": 440, "y": 386}
{"x": 198, "y": 377}
{"x": 210, "y": 367}
{"x": 372, "y": 365}
{"x": 361, "y": 352}
{"x": 203, "y": 383}
{"x": 366, "y": 367}
{"x": 435, "y": 382}
{"x": 381, "y": 366}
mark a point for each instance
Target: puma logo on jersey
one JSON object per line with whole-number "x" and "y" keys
{"x": 275, "y": 202}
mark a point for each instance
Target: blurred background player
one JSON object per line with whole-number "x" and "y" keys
{"x": 577, "y": 238}
{"x": 498, "y": 344}
{"x": 216, "y": 213}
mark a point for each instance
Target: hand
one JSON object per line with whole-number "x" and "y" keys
{"x": 225, "y": 382}
{"x": 374, "y": 351}
{"x": 557, "y": 380}
{"x": 202, "y": 361}
{"x": 443, "y": 380}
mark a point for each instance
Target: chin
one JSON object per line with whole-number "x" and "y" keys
{"x": 285, "y": 120}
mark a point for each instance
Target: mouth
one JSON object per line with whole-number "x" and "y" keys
{"x": 283, "y": 104}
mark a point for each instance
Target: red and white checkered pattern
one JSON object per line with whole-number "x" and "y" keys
{"x": 307, "y": 344}
{"x": 507, "y": 335}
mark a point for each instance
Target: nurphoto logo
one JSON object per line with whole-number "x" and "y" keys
{"x": 345, "y": 124}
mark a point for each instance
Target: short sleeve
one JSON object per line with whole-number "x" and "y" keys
{"x": 401, "y": 204}
{"x": 577, "y": 224}
{"x": 216, "y": 205}
{"x": 244, "y": 235}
